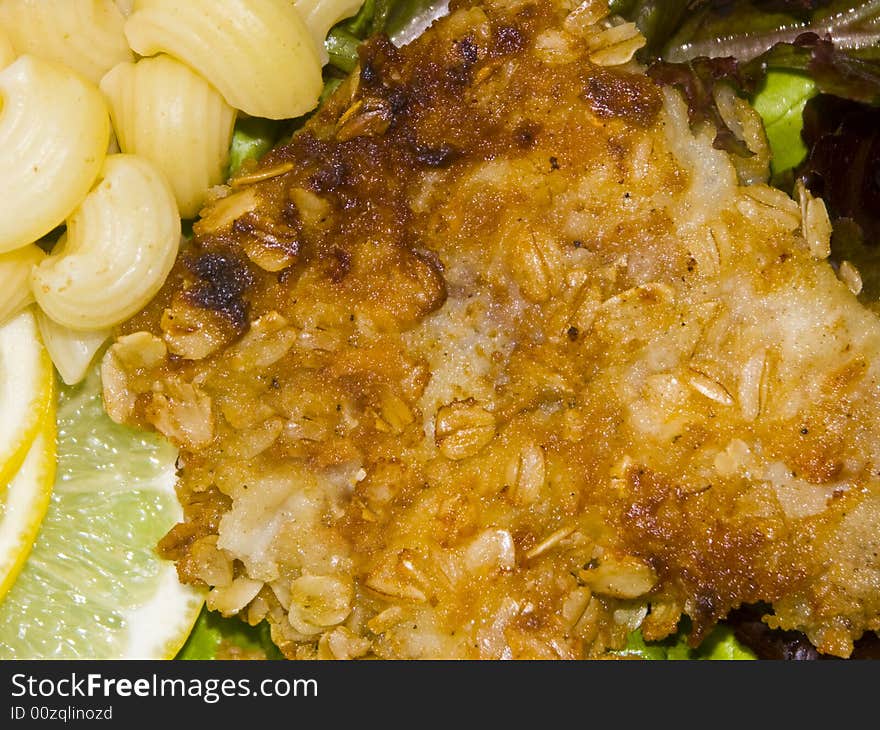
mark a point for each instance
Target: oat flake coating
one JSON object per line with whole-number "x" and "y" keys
{"x": 499, "y": 358}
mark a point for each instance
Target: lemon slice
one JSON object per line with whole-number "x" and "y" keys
{"x": 25, "y": 503}
{"x": 26, "y": 379}
{"x": 93, "y": 586}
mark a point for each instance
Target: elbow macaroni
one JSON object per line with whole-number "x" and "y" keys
{"x": 85, "y": 35}
{"x": 54, "y": 132}
{"x": 258, "y": 53}
{"x": 15, "y": 273}
{"x": 7, "y": 52}
{"x": 165, "y": 112}
{"x": 125, "y": 6}
{"x": 72, "y": 352}
{"x": 173, "y": 116}
{"x": 321, "y": 15}
{"x": 121, "y": 244}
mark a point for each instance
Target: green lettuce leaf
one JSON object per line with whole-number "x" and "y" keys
{"x": 781, "y": 102}
{"x": 215, "y": 637}
{"x": 251, "y": 139}
{"x": 721, "y": 644}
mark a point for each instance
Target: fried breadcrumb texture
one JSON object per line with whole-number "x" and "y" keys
{"x": 500, "y": 358}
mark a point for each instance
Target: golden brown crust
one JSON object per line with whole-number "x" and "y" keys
{"x": 495, "y": 358}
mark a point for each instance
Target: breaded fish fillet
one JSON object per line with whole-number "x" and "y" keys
{"x": 499, "y": 358}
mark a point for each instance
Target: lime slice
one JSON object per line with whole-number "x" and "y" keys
{"x": 26, "y": 379}
{"x": 93, "y": 586}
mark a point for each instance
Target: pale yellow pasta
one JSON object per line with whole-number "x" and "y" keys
{"x": 121, "y": 244}
{"x": 7, "y": 52}
{"x": 85, "y": 35}
{"x": 125, "y": 6}
{"x": 15, "y": 280}
{"x": 54, "y": 132}
{"x": 258, "y": 53}
{"x": 321, "y": 15}
{"x": 164, "y": 111}
{"x": 71, "y": 351}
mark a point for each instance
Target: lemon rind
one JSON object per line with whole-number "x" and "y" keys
{"x": 37, "y": 409}
{"x": 33, "y": 485}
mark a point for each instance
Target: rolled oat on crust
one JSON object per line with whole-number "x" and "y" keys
{"x": 499, "y": 358}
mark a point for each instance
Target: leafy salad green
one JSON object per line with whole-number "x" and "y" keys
{"x": 787, "y": 56}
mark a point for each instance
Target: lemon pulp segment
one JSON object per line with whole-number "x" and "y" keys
{"x": 93, "y": 586}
